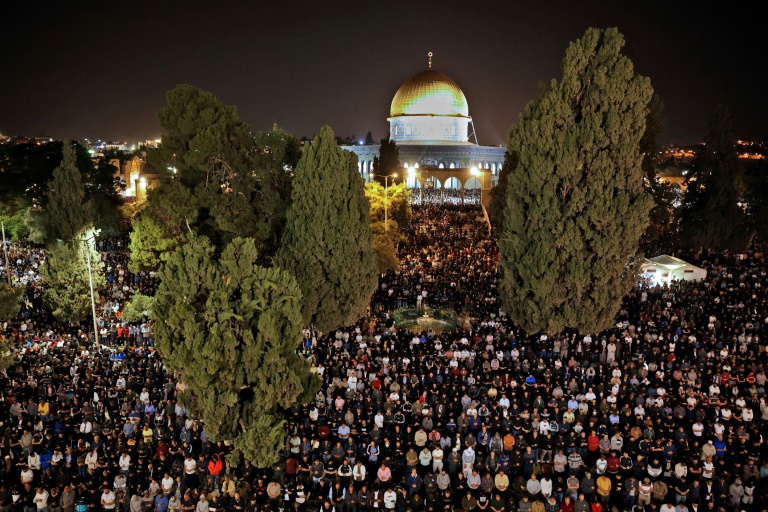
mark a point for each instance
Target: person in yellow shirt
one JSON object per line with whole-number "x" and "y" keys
{"x": 43, "y": 409}
{"x": 604, "y": 488}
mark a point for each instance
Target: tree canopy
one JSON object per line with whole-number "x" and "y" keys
{"x": 578, "y": 206}
{"x": 231, "y": 328}
{"x": 66, "y": 212}
{"x": 386, "y": 237}
{"x": 10, "y": 298}
{"x": 10, "y": 306}
{"x": 388, "y": 161}
{"x": 710, "y": 215}
{"x": 395, "y": 198}
{"x": 66, "y": 280}
{"x": 138, "y": 308}
{"x": 499, "y": 192}
{"x": 25, "y": 174}
{"x": 327, "y": 243}
{"x": 228, "y": 182}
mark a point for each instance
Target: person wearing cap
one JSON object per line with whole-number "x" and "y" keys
{"x": 708, "y": 451}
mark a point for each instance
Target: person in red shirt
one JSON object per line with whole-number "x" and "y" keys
{"x": 290, "y": 466}
{"x": 566, "y": 505}
{"x": 614, "y": 463}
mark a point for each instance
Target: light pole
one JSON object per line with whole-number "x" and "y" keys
{"x": 474, "y": 172}
{"x": 386, "y": 197}
{"x": 90, "y": 283}
{"x": 5, "y": 252}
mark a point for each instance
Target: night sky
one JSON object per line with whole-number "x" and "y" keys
{"x": 101, "y": 70}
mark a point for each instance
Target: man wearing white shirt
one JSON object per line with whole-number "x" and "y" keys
{"x": 108, "y": 499}
{"x": 546, "y": 486}
{"x": 41, "y": 500}
{"x": 437, "y": 460}
{"x": 390, "y": 499}
{"x": 125, "y": 463}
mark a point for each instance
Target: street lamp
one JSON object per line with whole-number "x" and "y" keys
{"x": 475, "y": 172}
{"x": 90, "y": 283}
{"x": 386, "y": 197}
{"x": 5, "y": 252}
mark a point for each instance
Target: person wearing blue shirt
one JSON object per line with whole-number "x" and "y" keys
{"x": 161, "y": 502}
{"x": 414, "y": 482}
{"x": 720, "y": 446}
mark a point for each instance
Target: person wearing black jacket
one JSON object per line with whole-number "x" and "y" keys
{"x": 336, "y": 496}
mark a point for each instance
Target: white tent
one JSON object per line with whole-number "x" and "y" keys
{"x": 663, "y": 269}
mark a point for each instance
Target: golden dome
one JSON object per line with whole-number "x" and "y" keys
{"x": 429, "y": 93}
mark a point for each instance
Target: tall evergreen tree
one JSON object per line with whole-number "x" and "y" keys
{"x": 228, "y": 182}
{"x": 710, "y": 215}
{"x": 27, "y": 171}
{"x": 10, "y": 306}
{"x": 66, "y": 212}
{"x": 9, "y": 301}
{"x": 499, "y": 192}
{"x": 277, "y": 155}
{"x": 327, "y": 243}
{"x": 231, "y": 328}
{"x": 758, "y": 199}
{"x": 171, "y": 211}
{"x": 388, "y": 161}
{"x": 66, "y": 280}
{"x": 577, "y": 209}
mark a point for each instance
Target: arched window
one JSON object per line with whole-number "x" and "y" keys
{"x": 472, "y": 183}
{"x": 412, "y": 182}
{"x": 453, "y": 183}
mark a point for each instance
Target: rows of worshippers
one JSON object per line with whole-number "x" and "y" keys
{"x": 665, "y": 411}
{"x": 446, "y": 196}
{"x": 66, "y": 396}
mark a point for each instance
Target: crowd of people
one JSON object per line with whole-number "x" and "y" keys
{"x": 446, "y": 196}
{"x": 666, "y": 412}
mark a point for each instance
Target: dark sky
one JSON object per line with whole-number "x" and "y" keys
{"x": 101, "y": 70}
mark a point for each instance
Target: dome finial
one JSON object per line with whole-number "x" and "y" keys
{"x": 430, "y": 59}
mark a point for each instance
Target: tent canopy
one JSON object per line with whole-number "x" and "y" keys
{"x": 664, "y": 268}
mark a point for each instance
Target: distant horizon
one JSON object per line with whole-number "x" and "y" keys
{"x": 305, "y": 65}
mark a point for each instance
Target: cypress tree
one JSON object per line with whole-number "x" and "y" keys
{"x": 9, "y": 308}
{"x": 710, "y": 215}
{"x": 231, "y": 328}
{"x": 66, "y": 213}
{"x": 65, "y": 277}
{"x": 577, "y": 207}
{"x": 327, "y": 243}
{"x": 388, "y": 161}
{"x": 499, "y": 192}
{"x": 9, "y": 301}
